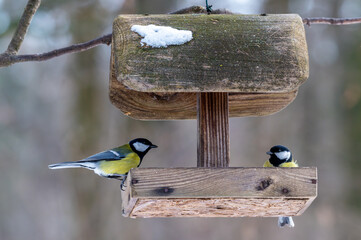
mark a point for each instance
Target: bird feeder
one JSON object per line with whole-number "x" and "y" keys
{"x": 234, "y": 66}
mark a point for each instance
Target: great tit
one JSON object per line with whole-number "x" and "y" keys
{"x": 281, "y": 156}
{"x": 113, "y": 163}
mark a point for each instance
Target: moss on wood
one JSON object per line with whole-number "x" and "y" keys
{"x": 229, "y": 53}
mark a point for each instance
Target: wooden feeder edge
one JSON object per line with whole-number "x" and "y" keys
{"x": 219, "y": 192}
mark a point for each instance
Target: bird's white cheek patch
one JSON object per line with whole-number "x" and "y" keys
{"x": 140, "y": 147}
{"x": 283, "y": 155}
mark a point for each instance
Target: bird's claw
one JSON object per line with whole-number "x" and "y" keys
{"x": 122, "y": 184}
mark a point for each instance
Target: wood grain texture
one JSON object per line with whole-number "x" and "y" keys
{"x": 228, "y": 53}
{"x": 219, "y": 192}
{"x": 224, "y": 182}
{"x": 166, "y": 106}
{"x": 213, "y": 130}
{"x": 128, "y": 202}
{"x": 196, "y": 207}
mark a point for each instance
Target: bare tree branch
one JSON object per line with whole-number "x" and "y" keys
{"x": 23, "y": 26}
{"x": 11, "y": 59}
{"x": 332, "y": 21}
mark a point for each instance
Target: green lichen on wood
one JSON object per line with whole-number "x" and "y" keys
{"x": 232, "y": 53}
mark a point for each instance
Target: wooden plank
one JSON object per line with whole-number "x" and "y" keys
{"x": 166, "y": 106}
{"x": 213, "y": 130}
{"x": 224, "y": 182}
{"x": 220, "y": 192}
{"x": 239, "y": 207}
{"x": 306, "y": 205}
{"x": 128, "y": 202}
{"x": 228, "y": 53}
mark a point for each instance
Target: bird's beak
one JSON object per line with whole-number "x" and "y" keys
{"x": 269, "y": 153}
{"x": 153, "y": 146}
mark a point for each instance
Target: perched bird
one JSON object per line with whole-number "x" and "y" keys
{"x": 113, "y": 163}
{"x": 280, "y": 156}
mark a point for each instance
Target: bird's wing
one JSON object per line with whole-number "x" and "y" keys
{"x": 110, "y": 155}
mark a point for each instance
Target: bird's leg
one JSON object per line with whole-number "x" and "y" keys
{"x": 123, "y": 181}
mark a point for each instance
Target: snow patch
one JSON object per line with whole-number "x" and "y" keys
{"x": 161, "y": 36}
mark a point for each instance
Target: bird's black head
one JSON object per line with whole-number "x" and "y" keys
{"x": 141, "y": 146}
{"x": 279, "y": 154}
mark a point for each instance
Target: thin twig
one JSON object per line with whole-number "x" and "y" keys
{"x": 11, "y": 59}
{"x": 332, "y": 21}
{"x": 23, "y": 26}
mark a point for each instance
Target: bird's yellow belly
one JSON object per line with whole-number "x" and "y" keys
{"x": 120, "y": 167}
{"x": 286, "y": 164}
{"x": 289, "y": 164}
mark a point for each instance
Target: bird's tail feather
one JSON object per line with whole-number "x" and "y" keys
{"x": 285, "y": 221}
{"x": 88, "y": 165}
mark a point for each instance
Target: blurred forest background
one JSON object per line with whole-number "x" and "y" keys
{"x": 59, "y": 110}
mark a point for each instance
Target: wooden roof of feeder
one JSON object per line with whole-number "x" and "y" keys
{"x": 235, "y": 65}
{"x": 260, "y": 60}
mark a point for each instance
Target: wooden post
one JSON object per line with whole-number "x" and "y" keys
{"x": 213, "y": 129}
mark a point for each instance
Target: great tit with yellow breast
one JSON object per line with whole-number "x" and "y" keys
{"x": 113, "y": 163}
{"x": 280, "y": 156}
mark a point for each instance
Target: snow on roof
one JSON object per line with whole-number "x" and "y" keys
{"x": 161, "y": 36}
